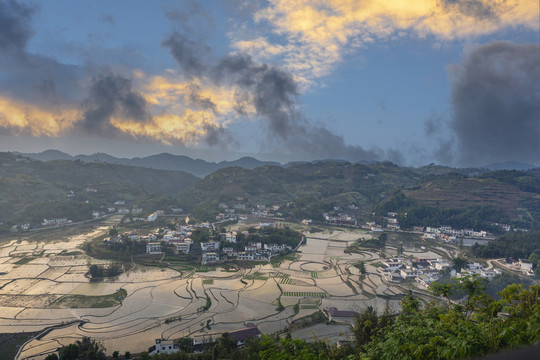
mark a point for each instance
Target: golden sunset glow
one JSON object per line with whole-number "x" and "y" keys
{"x": 24, "y": 118}
{"x": 319, "y": 33}
{"x": 186, "y": 128}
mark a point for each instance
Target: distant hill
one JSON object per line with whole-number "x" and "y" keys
{"x": 31, "y": 190}
{"x": 434, "y": 195}
{"x": 164, "y": 161}
{"x": 304, "y": 190}
{"x": 430, "y": 195}
{"x": 510, "y": 165}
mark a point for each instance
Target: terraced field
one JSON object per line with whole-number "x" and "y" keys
{"x": 50, "y": 291}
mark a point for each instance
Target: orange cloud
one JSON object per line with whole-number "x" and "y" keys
{"x": 179, "y": 111}
{"x": 183, "y": 111}
{"x": 187, "y": 128}
{"x": 20, "y": 117}
{"x": 319, "y": 32}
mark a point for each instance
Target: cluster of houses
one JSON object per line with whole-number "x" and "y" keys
{"x": 253, "y": 251}
{"x": 227, "y": 212}
{"x": 448, "y": 234}
{"x": 426, "y": 271}
{"x": 120, "y": 208}
{"x": 201, "y": 342}
{"x": 58, "y": 221}
{"x": 21, "y": 227}
{"x": 212, "y": 251}
{"x": 179, "y": 239}
{"x": 340, "y": 219}
{"x": 508, "y": 228}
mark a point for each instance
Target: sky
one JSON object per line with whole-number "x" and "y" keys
{"x": 410, "y": 81}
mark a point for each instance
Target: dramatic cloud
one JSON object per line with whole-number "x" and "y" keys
{"x": 111, "y": 96}
{"x": 41, "y": 96}
{"x": 496, "y": 104}
{"x": 316, "y": 35}
{"x": 20, "y": 118}
{"x": 261, "y": 91}
{"x": 263, "y": 77}
{"x": 189, "y": 54}
{"x": 15, "y": 30}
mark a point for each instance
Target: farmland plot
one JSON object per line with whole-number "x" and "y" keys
{"x": 164, "y": 303}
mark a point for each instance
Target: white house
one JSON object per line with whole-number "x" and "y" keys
{"x": 152, "y": 217}
{"x": 407, "y": 273}
{"x": 210, "y": 246}
{"x": 183, "y": 247}
{"x": 230, "y": 237}
{"x": 392, "y": 265}
{"x": 246, "y": 256}
{"x": 393, "y": 226}
{"x": 209, "y": 257}
{"x": 163, "y": 347}
{"x": 153, "y": 248}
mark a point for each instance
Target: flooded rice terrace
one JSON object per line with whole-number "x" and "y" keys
{"x": 43, "y": 286}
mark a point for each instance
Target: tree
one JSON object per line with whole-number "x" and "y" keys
{"x": 113, "y": 232}
{"x": 127, "y": 355}
{"x": 362, "y": 267}
{"x": 444, "y": 290}
{"x": 52, "y": 356}
{"x": 70, "y": 352}
{"x": 459, "y": 263}
{"x": 382, "y": 240}
{"x": 90, "y": 349}
{"x": 366, "y": 324}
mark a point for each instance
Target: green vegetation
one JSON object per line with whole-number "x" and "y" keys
{"x": 308, "y": 307}
{"x": 460, "y": 331}
{"x": 99, "y": 272}
{"x": 24, "y": 260}
{"x": 208, "y": 281}
{"x": 121, "y": 251}
{"x": 317, "y": 317}
{"x": 360, "y": 266}
{"x": 206, "y": 306}
{"x": 256, "y": 276}
{"x": 85, "y": 301}
{"x": 515, "y": 245}
{"x": 31, "y": 191}
{"x": 205, "y": 268}
{"x": 304, "y": 294}
{"x": 84, "y": 349}
{"x": 173, "y": 319}
{"x": 10, "y": 343}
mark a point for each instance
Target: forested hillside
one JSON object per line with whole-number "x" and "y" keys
{"x": 32, "y": 190}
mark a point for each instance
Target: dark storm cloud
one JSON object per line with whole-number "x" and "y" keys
{"x": 34, "y": 78}
{"x": 273, "y": 94}
{"x": 15, "y": 29}
{"x": 111, "y": 96}
{"x": 216, "y": 134}
{"x": 473, "y": 8}
{"x": 496, "y": 104}
{"x": 189, "y": 54}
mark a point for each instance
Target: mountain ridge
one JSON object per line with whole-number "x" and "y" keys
{"x": 162, "y": 161}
